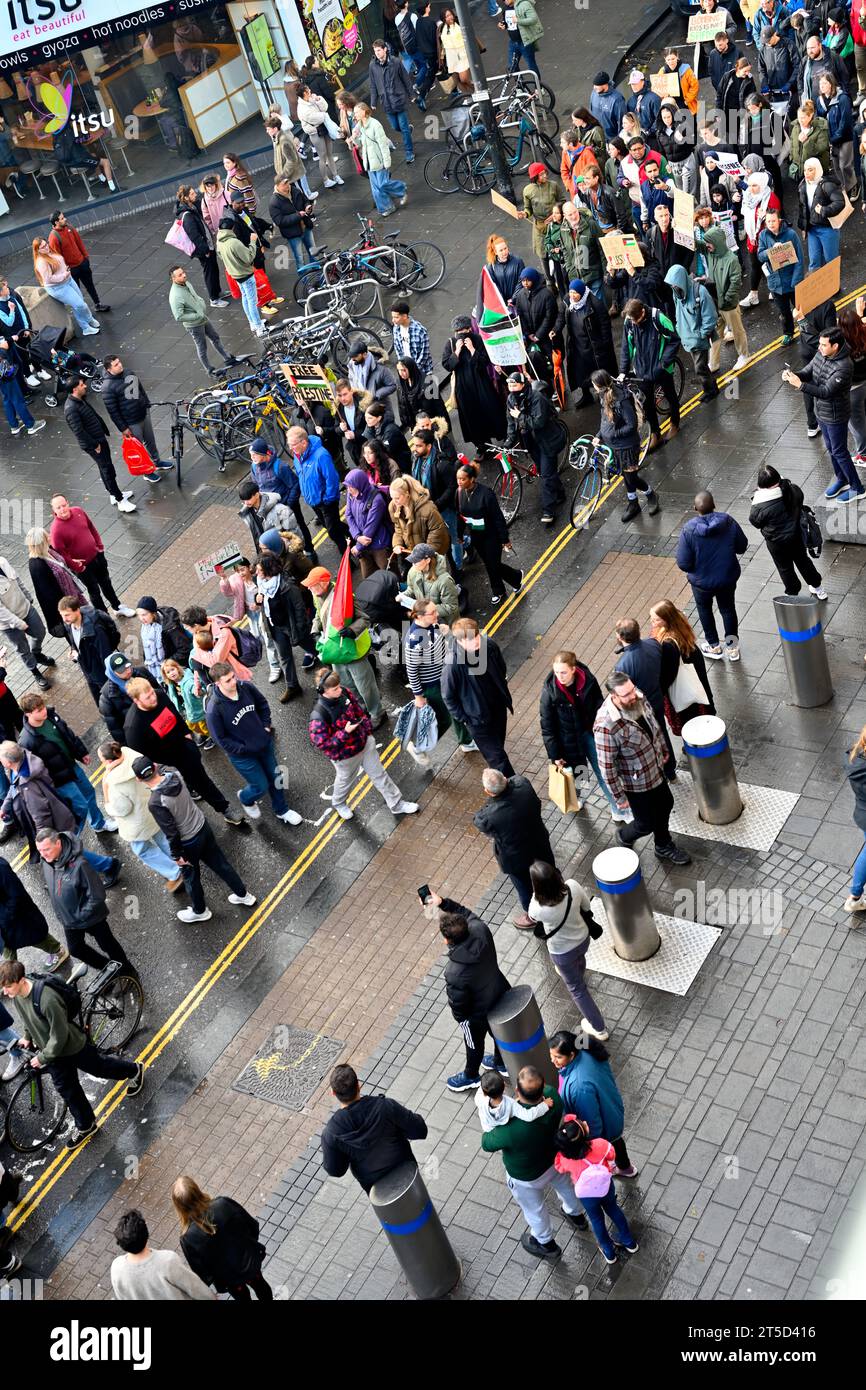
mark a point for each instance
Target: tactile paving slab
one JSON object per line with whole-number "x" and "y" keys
{"x": 765, "y": 810}
{"x": 685, "y": 946}
{"x": 288, "y": 1067}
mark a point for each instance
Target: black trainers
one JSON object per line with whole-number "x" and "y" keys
{"x": 652, "y": 504}
{"x": 549, "y": 1251}
{"x": 632, "y": 510}
{"x": 672, "y": 854}
{"x": 40, "y": 681}
{"x": 136, "y": 1082}
{"x": 110, "y": 877}
{"x": 577, "y": 1219}
{"x": 81, "y": 1136}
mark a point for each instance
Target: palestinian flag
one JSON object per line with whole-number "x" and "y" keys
{"x": 333, "y": 646}
{"x": 501, "y": 334}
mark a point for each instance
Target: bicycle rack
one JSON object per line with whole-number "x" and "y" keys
{"x": 333, "y": 291}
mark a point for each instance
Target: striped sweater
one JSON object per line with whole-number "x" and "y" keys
{"x": 425, "y": 649}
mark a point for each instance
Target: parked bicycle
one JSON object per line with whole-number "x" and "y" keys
{"x": 475, "y": 171}
{"x": 110, "y": 1013}
{"x": 389, "y": 263}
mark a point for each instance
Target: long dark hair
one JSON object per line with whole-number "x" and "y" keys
{"x": 604, "y": 385}
{"x": 548, "y": 884}
{"x": 572, "y": 1140}
{"x": 768, "y": 477}
{"x": 853, "y": 329}
{"x": 568, "y": 1044}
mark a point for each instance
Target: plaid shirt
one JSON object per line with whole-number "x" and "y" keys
{"x": 629, "y": 761}
{"x": 414, "y": 342}
{"x": 332, "y": 737}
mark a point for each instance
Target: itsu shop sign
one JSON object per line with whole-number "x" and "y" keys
{"x": 35, "y": 30}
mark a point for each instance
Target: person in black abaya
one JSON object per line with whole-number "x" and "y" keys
{"x": 480, "y": 407}
{"x": 588, "y": 340}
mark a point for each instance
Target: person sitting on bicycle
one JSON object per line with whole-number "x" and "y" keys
{"x": 648, "y": 351}
{"x": 619, "y": 429}
{"x": 532, "y": 425}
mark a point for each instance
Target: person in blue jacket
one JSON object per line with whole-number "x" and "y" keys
{"x": 588, "y": 1090}
{"x": 607, "y": 105}
{"x": 707, "y": 552}
{"x": 834, "y": 105}
{"x": 777, "y": 232}
{"x": 697, "y": 321}
{"x": 239, "y": 720}
{"x": 273, "y": 474}
{"x": 320, "y": 483}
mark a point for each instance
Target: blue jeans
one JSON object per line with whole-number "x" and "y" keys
{"x": 4, "y": 784}
{"x": 70, "y": 295}
{"x": 100, "y": 862}
{"x": 260, "y": 770}
{"x": 835, "y": 434}
{"x": 449, "y": 516}
{"x": 156, "y": 854}
{"x": 250, "y": 301}
{"x": 592, "y": 758}
{"x": 302, "y": 248}
{"x": 14, "y": 403}
{"x": 596, "y": 1209}
{"x": 526, "y": 51}
{"x": 10, "y": 1038}
{"x": 823, "y": 245}
{"x": 81, "y": 800}
{"x": 399, "y": 120}
{"x": 385, "y": 189}
{"x": 858, "y": 876}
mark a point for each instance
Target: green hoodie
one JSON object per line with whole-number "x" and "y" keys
{"x": 722, "y": 266}
{"x": 237, "y": 258}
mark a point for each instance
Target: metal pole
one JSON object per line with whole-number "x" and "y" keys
{"x": 410, "y": 1221}
{"x": 485, "y": 106}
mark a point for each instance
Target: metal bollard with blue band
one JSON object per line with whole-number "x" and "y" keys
{"x": 517, "y": 1026}
{"x": 627, "y": 907}
{"x": 799, "y": 620}
{"x": 705, "y": 742}
{"x": 408, "y": 1218}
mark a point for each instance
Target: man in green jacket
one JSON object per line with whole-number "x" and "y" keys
{"x": 429, "y": 578}
{"x": 188, "y": 309}
{"x": 528, "y": 1151}
{"x": 61, "y": 1047}
{"x": 239, "y": 262}
{"x": 722, "y": 267}
{"x": 581, "y": 243}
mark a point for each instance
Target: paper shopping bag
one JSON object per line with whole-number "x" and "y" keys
{"x": 561, "y": 790}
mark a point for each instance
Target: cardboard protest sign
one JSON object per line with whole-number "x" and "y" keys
{"x": 684, "y": 219}
{"x": 211, "y": 565}
{"x": 703, "y": 28}
{"x": 782, "y": 254}
{"x": 728, "y": 162}
{"x": 309, "y": 382}
{"x": 504, "y": 204}
{"x": 665, "y": 84}
{"x": 621, "y": 251}
{"x": 822, "y": 284}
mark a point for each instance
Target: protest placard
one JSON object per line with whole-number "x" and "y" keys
{"x": 822, "y": 284}
{"x": 504, "y": 204}
{"x": 309, "y": 382}
{"x": 665, "y": 84}
{"x": 703, "y": 28}
{"x": 684, "y": 219}
{"x": 783, "y": 253}
{"x": 211, "y": 565}
{"x": 621, "y": 251}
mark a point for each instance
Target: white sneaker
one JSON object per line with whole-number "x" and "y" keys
{"x": 260, "y": 331}
{"x": 621, "y": 817}
{"x": 741, "y": 361}
{"x": 43, "y": 375}
{"x": 601, "y": 1033}
{"x": 89, "y": 332}
{"x": 291, "y": 818}
{"x": 186, "y": 914}
{"x": 126, "y": 506}
{"x": 77, "y": 972}
{"x": 249, "y": 900}
{"x": 812, "y": 433}
{"x": 850, "y": 904}
{"x": 274, "y": 677}
{"x": 312, "y": 196}
{"x": 338, "y": 180}
{"x": 345, "y": 812}
{"x": 469, "y": 747}
{"x": 252, "y": 811}
{"x": 32, "y": 379}
{"x": 714, "y": 653}
{"x": 329, "y": 183}
{"x": 109, "y": 826}
{"x": 36, "y": 427}
{"x": 406, "y": 808}
{"x": 123, "y": 610}
{"x": 13, "y": 1067}
{"x": 819, "y": 593}
{"x": 750, "y": 300}
{"x": 732, "y": 651}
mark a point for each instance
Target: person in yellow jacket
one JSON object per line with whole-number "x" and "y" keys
{"x": 688, "y": 82}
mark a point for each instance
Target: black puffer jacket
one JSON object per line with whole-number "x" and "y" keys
{"x": 776, "y": 512}
{"x": 513, "y": 822}
{"x": 537, "y": 420}
{"x": 60, "y": 768}
{"x": 125, "y": 399}
{"x": 563, "y": 723}
{"x": 828, "y": 381}
{"x": 21, "y": 922}
{"x": 86, "y": 423}
{"x": 287, "y": 214}
{"x": 828, "y": 202}
{"x": 114, "y": 702}
{"x": 473, "y": 981}
{"x": 538, "y": 310}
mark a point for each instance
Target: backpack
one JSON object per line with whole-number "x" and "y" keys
{"x": 68, "y": 993}
{"x": 811, "y": 532}
{"x": 593, "y": 1181}
{"x": 249, "y": 646}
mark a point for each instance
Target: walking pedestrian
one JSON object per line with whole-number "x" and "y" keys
{"x": 827, "y": 378}
{"x": 55, "y": 277}
{"x": 810, "y": 327}
{"x": 64, "y": 756}
{"x": 21, "y": 625}
{"x": 528, "y": 1153}
{"x": 369, "y": 524}
{"x": 316, "y": 123}
{"x": 153, "y": 729}
{"x": 588, "y": 1090}
{"x": 142, "y": 1274}
{"x": 641, "y": 659}
{"x": 220, "y": 1242}
{"x": 128, "y": 405}
{"x": 188, "y": 309}
{"x": 238, "y": 261}
{"x": 163, "y": 636}
{"x": 370, "y": 377}
{"x": 369, "y": 1135}
{"x": 391, "y": 88}
{"x": 852, "y": 321}
{"x": 588, "y": 340}
{"x": 821, "y": 199}
{"x": 782, "y": 281}
{"x": 16, "y": 326}
{"x": 51, "y": 577}
{"x": 475, "y": 691}
{"x": 538, "y": 200}
{"x": 633, "y": 755}
{"x": 353, "y": 667}
{"x": 374, "y": 148}
{"x": 474, "y": 984}
{"x": 481, "y": 516}
{"x": 561, "y": 913}
{"x": 65, "y": 241}
{"x": 191, "y": 840}
{"x": 341, "y": 729}
{"x": 286, "y": 613}
{"x": 707, "y": 552}
{"x": 683, "y": 677}
{"x": 60, "y": 1046}
{"x": 480, "y": 408}
{"x": 239, "y": 721}
{"x": 648, "y": 351}
{"x": 719, "y": 266}
{"x": 434, "y": 465}
{"x": 524, "y": 28}
{"x": 92, "y": 637}
{"x": 91, "y": 432}
{"x": 777, "y": 511}
{"x": 113, "y": 699}
{"x": 570, "y": 700}
{"x": 23, "y": 924}
{"x": 188, "y": 212}
{"x": 607, "y": 105}
{"x": 757, "y": 201}
{"x": 32, "y": 801}
{"x": 78, "y": 900}
{"x": 429, "y": 579}
{"x": 381, "y": 426}
{"x": 15, "y": 407}
{"x": 319, "y": 482}
{"x": 589, "y": 1164}
{"x": 697, "y": 325}
{"x": 125, "y": 800}
{"x": 425, "y": 649}
{"x": 512, "y": 819}
{"x": 619, "y": 430}
{"x": 274, "y": 474}
{"x": 534, "y": 426}
{"x": 414, "y": 519}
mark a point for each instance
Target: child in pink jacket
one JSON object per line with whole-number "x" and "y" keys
{"x": 590, "y": 1164}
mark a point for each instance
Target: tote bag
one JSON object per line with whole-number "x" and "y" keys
{"x": 842, "y": 217}
{"x": 177, "y": 237}
{"x": 687, "y": 689}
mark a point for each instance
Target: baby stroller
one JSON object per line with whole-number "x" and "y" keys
{"x": 47, "y": 349}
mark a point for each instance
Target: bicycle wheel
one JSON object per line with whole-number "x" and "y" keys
{"x": 439, "y": 172}
{"x": 544, "y": 95}
{"x": 226, "y": 433}
{"x": 585, "y": 498}
{"x": 543, "y": 150}
{"x": 475, "y": 173}
{"x": 307, "y": 281}
{"x": 273, "y": 427}
{"x": 374, "y": 337}
{"x": 36, "y": 1113}
{"x": 112, "y": 1016}
{"x": 509, "y": 493}
{"x": 678, "y": 377}
{"x": 421, "y": 266}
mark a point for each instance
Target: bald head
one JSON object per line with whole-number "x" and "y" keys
{"x": 704, "y": 503}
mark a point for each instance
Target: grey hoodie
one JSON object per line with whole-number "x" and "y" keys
{"x": 174, "y": 810}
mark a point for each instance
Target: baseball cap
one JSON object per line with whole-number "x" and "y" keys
{"x": 358, "y": 348}
{"x": 143, "y": 768}
{"x": 634, "y": 77}
{"x": 515, "y": 379}
{"x": 260, "y": 446}
{"x": 422, "y": 552}
{"x": 318, "y": 575}
{"x": 118, "y": 662}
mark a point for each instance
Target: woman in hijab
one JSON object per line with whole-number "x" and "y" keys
{"x": 368, "y": 522}
{"x": 414, "y": 395}
{"x": 758, "y": 199}
{"x": 480, "y": 407}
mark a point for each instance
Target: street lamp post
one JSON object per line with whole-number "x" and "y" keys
{"x": 501, "y": 166}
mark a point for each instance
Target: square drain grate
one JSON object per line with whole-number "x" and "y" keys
{"x": 287, "y": 1068}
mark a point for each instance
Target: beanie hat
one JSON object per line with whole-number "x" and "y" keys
{"x": 601, "y": 79}
{"x": 148, "y": 604}
{"x": 272, "y": 540}
{"x": 577, "y": 285}
{"x": 531, "y": 274}
{"x": 535, "y": 169}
